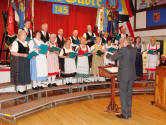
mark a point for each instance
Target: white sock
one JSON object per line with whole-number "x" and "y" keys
{"x": 154, "y": 75}
{"x": 53, "y": 79}
{"x": 66, "y": 80}
{"x": 49, "y": 79}
{"x": 34, "y": 84}
{"x": 39, "y": 84}
{"x": 21, "y": 88}
{"x": 95, "y": 78}
{"x": 70, "y": 80}
{"x": 149, "y": 74}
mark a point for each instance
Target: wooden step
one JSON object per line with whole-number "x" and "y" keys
{"x": 29, "y": 106}
{"x": 10, "y": 96}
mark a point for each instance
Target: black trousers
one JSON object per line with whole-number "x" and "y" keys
{"x": 126, "y": 96}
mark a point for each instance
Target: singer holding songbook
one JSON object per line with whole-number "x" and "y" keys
{"x": 153, "y": 51}
{"x": 38, "y": 64}
{"x": 20, "y": 65}
{"x": 52, "y": 60}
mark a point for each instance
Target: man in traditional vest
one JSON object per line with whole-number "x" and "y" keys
{"x": 44, "y": 34}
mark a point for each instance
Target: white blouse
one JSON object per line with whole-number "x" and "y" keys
{"x": 152, "y": 47}
{"x": 31, "y": 44}
{"x": 93, "y": 47}
{"x": 66, "y": 51}
{"x": 14, "y": 47}
{"x": 84, "y": 49}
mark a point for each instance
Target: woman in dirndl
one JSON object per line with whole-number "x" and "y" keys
{"x": 20, "y": 65}
{"x": 138, "y": 61}
{"x": 107, "y": 46}
{"x": 97, "y": 59}
{"x": 152, "y": 58}
{"x": 68, "y": 67}
{"x": 38, "y": 64}
{"x": 53, "y": 61}
{"x": 82, "y": 61}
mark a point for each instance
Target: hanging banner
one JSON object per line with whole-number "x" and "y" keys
{"x": 105, "y": 20}
{"x": 60, "y": 9}
{"x": 88, "y": 3}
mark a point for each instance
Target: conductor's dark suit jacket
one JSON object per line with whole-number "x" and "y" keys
{"x": 126, "y": 57}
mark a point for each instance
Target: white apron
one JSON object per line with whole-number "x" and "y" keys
{"x": 152, "y": 60}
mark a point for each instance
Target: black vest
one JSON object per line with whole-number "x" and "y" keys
{"x": 59, "y": 42}
{"x": 88, "y": 36}
{"x": 121, "y": 35}
{"x": 105, "y": 41}
{"x": 44, "y": 39}
{"x": 73, "y": 40}
{"x": 22, "y": 49}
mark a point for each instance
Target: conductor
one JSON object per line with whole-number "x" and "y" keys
{"x": 126, "y": 75}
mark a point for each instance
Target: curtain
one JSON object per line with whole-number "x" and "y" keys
{"x": 79, "y": 17}
{"x": 3, "y": 7}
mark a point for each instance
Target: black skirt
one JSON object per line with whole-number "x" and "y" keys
{"x": 20, "y": 71}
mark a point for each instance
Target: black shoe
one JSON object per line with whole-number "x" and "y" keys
{"x": 23, "y": 93}
{"x": 54, "y": 84}
{"x": 40, "y": 87}
{"x": 70, "y": 83}
{"x": 122, "y": 117}
{"x": 35, "y": 88}
{"x": 49, "y": 85}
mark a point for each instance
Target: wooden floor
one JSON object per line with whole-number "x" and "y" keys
{"x": 91, "y": 112}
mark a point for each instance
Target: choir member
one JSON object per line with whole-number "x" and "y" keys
{"x": 88, "y": 35}
{"x": 138, "y": 61}
{"x": 95, "y": 30}
{"x": 20, "y": 65}
{"x": 82, "y": 61}
{"x": 44, "y": 33}
{"x": 97, "y": 60}
{"x": 60, "y": 42}
{"x": 27, "y": 24}
{"x": 60, "y": 38}
{"x": 105, "y": 38}
{"x": 68, "y": 66}
{"x": 123, "y": 32}
{"x": 74, "y": 38}
{"x": 106, "y": 47}
{"x": 38, "y": 64}
{"x": 53, "y": 61}
{"x": 152, "y": 57}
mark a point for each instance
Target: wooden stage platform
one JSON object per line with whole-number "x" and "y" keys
{"x": 14, "y": 106}
{"x": 91, "y": 112}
